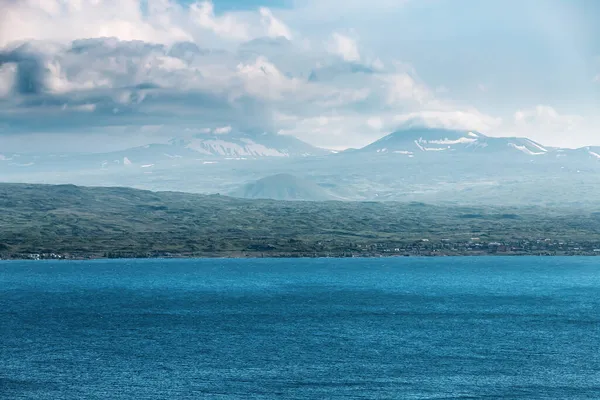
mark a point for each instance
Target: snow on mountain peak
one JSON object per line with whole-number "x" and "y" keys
{"x": 451, "y": 141}
{"x": 243, "y": 147}
{"x": 461, "y": 140}
{"x": 525, "y": 150}
{"x": 593, "y": 153}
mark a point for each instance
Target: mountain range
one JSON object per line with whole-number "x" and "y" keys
{"x": 443, "y": 141}
{"x": 417, "y": 164}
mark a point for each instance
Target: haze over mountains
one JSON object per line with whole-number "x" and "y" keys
{"x": 418, "y": 164}
{"x": 284, "y": 187}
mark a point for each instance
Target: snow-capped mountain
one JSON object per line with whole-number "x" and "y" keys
{"x": 220, "y": 144}
{"x": 212, "y": 148}
{"x": 246, "y": 145}
{"x": 417, "y": 141}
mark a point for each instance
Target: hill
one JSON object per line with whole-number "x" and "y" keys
{"x": 283, "y": 187}
{"x": 74, "y": 221}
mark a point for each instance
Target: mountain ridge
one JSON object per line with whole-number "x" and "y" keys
{"x": 426, "y": 165}
{"x": 413, "y": 141}
{"x": 227, "y": 143}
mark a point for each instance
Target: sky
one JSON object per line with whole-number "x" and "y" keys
{"x": 99, "y": 75}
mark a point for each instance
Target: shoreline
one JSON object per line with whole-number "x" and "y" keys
{"x": 294, "y": 256}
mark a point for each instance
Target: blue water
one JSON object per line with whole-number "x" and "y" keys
{"x": 443, "y": 328}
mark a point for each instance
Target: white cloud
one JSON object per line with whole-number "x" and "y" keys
{"x": 344, "y": 47}
{"x": 262, "y": 79}
{"x": 155, "y": 21}
{"x": 597, "y": 78}
{"x": 546, "y": 125}
{"x": 157, "y": 67}
{"x": 402, "y": 88}
{"x": 227, "y": 26}
{"x": 339, "y": 97}
{"x": 182, "y": 84}
{"x": 222, "y": 131}
{"x": 546, "y": 117}
{"x": 332, "y": 131}
{"x": 81, "y": 108}
{"x": 378, "y": 65}
{"x": 375, "y": 123}
{"x": 109, "y": 64}
{"x": 74, "y": 19}
{"x": 467, "y": 119}
{"x": 275, "y": 27}
{"x": 170, "y": 64}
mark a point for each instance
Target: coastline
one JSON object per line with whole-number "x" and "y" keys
{"x": 80, "y": 257}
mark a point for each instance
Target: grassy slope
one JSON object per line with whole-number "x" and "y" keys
{"x": 71, "y": 219}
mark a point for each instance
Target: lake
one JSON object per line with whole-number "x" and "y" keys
{"x": 403, "y": 328}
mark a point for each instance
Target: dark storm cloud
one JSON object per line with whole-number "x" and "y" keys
{"x": 31, "y": 71}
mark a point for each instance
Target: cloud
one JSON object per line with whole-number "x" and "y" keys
{"x": 222, "y": 131}
{"x": 115, "y": 83}
{"x": 154, "y": 21}
{"x": 330, "y": 130}
{"x": 404, "y": 88}
{"x": 28, "y": 70}
{"x": 545, "y": 124}
{"x": 333, "y": 73}
{"x": 59, "y": 20}
{"x": 8, "y": 73}
{"x": 275, "y": 28}
{"x": 344, "y": 46}
{"x": 546, "y": 117}
{"x": 82, "y": 107}
{"x": 189, "y": 68}
{"x": 467, "y": 120}
{"x": 227, "y": 26}
{"x": 596, "y": 79}
{"x": 375, "y": 123}
{"x": 263, "y": 79}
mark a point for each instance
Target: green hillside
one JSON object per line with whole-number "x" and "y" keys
{"x": 97, "y": 222}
